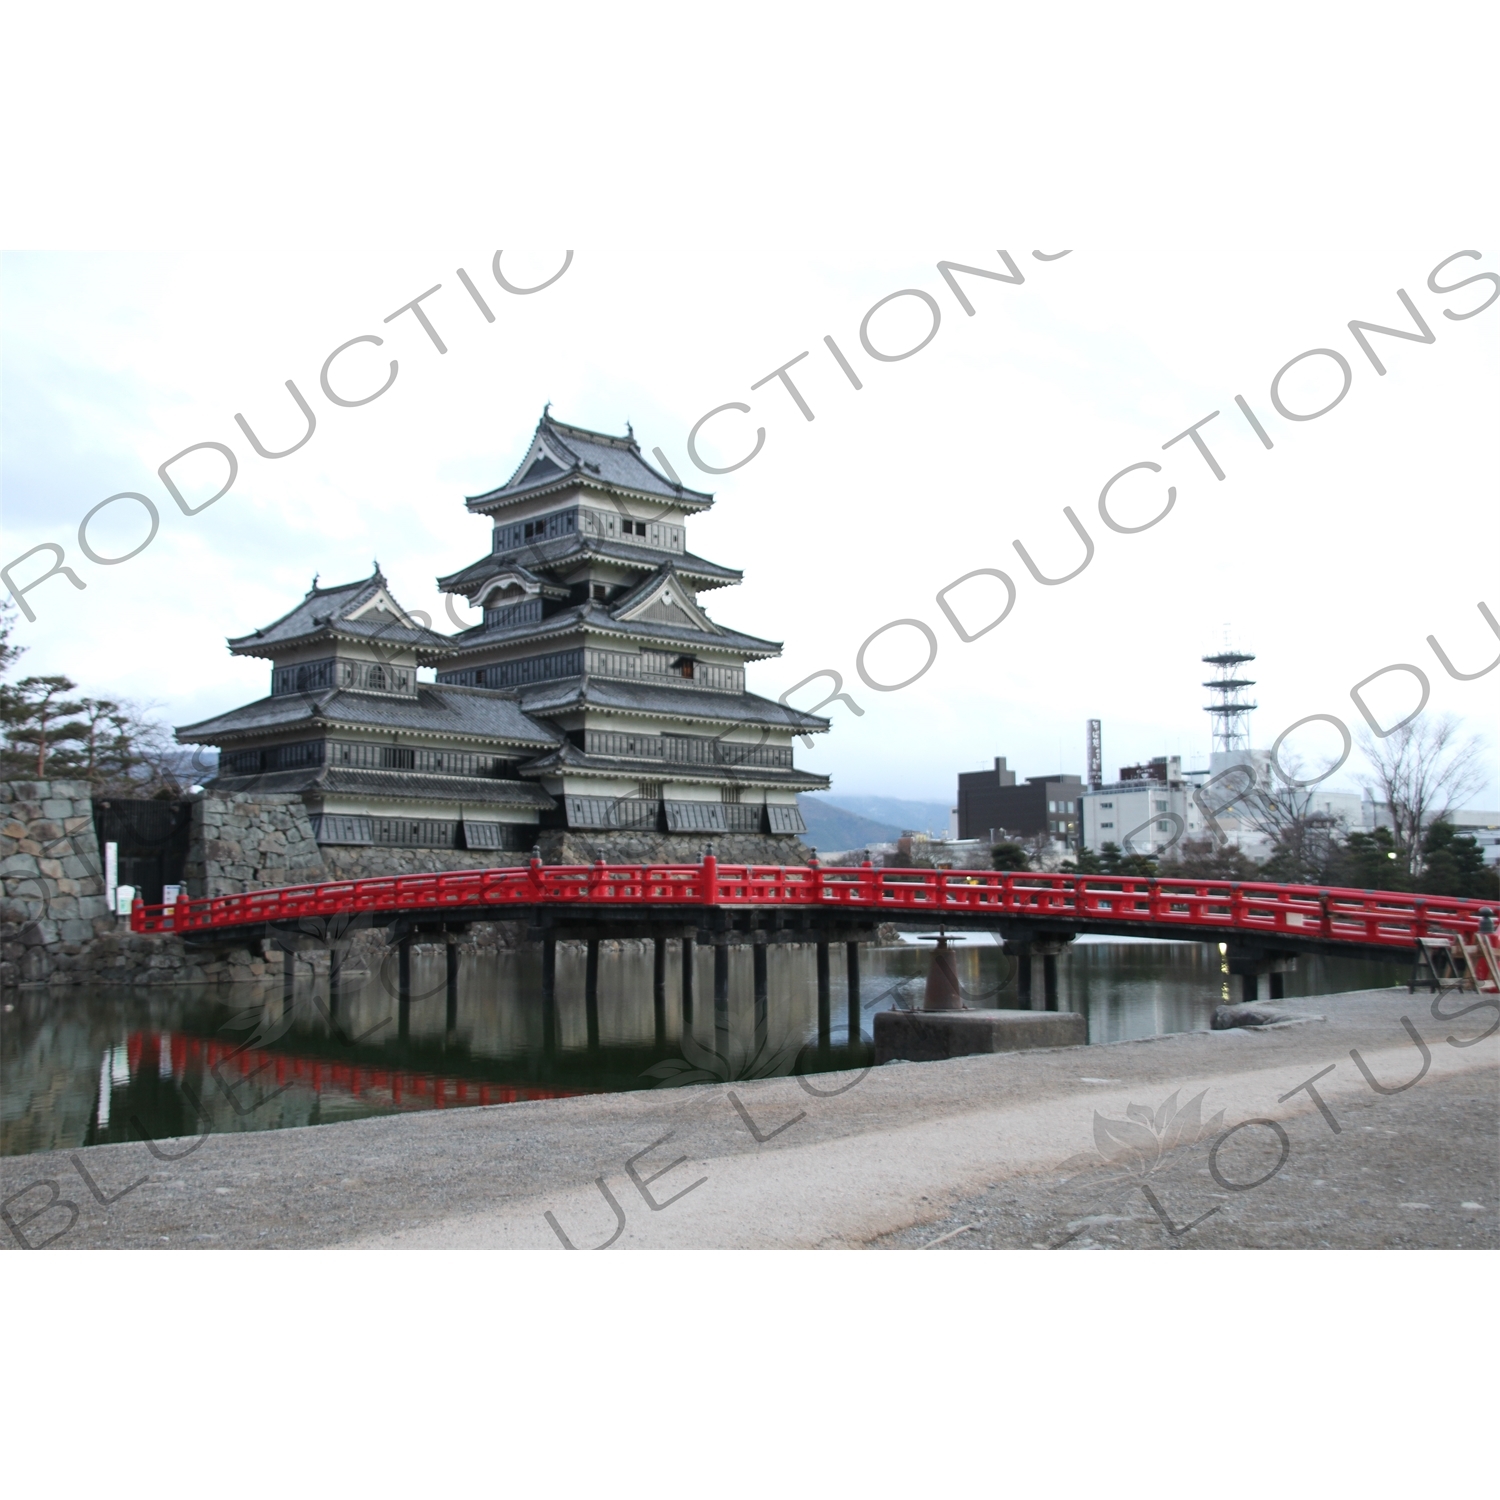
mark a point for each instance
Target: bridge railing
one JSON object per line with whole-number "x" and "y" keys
{"x": 1380, "y": 918}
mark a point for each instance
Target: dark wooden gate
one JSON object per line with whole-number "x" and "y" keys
{"x": 153, "y": 839}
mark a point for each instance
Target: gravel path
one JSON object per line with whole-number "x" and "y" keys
{"x": 1419, "y": 1170}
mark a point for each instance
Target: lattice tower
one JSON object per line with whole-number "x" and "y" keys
{"x": 1230, "y": 709}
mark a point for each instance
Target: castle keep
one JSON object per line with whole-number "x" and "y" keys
{"x": 597, "y": 709}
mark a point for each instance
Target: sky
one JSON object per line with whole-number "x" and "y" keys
{"x": 1330, "y": 555}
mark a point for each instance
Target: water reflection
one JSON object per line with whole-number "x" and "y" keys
{"x": 81, "y": 1067}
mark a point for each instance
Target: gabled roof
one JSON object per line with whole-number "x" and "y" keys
{"x": 663, "y": 599}
{"x": 365, "y": 610}
{"x": 564, "y": 553}
{"x": 513, "y": 574}
{"x": 593, "y": 618}
{"x": 449, "y": 712}
{"x": 562, "y": 456}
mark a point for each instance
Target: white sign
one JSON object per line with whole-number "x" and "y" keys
{"x": 124, "y": 899}
{"x": 170, "y": 893}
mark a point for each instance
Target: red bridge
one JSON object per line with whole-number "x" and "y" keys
{"x": 1297, "y": 917}
{"x": 1261, "y": 927}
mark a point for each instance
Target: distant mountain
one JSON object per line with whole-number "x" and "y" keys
{"x": 921, "y": 817}
{"x": 831, "y": 828}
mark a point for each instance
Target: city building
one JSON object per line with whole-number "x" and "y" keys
{"x": 595, "y": 695}
{"x": 991, "y": 806}
{"x": 1147, "y": 808}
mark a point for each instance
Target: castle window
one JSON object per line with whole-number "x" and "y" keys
{"x": 683, "y": 666}
{"x": 375, "y": 679}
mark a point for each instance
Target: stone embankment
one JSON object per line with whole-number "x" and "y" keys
{"x": 248, "y": 843}
{"x": 53, "y": 914}
{"x": 56, "y": 929}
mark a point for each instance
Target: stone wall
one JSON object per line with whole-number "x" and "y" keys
{"x": 53, "y": 905}
{"x": 247, "y": 842}
{"x": 54, "y": 924}
{"x": 573, "y": 847}
{"x": 356, "y": 862}
{"x": 55, "y": 928}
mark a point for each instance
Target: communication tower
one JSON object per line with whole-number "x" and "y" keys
{"x": 1230, "y": 709}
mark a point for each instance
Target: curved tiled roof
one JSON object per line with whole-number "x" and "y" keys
{"x": 568, "y": 757}
{"x": 552, "y": 555}
{"x": 391, "y": 786}
{"x": 600, "y": 620}
{"x": 325, "y": 611}
{"x": 694, "y": 704}
{"x": 469, "y": 713}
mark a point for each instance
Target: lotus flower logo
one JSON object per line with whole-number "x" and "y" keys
{"x": 1138, "y": 1145}
{"x": 699, "y": 1064}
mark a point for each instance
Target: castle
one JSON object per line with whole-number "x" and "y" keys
{"x": 596, "y": 709}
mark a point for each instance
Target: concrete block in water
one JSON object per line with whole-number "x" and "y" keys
{"x": 929, "y": 1036}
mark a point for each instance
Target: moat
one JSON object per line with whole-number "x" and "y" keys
{"x": 90, "y": 1065}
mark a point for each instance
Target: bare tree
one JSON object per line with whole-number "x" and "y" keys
{"x": 1304, "y": 842}
{"x": 1421, "y": 771}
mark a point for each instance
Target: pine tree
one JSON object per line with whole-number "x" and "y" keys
{"x": 1371, "y": 862}
{"x": 38, "y": 717}
{"x": 1453, "y": 864}
{"x": 1009, "y": 856}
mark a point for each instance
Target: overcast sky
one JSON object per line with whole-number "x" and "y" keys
{"x": 1331, "y": 555}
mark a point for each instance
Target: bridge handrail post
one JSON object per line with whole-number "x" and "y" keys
{"x": 710, "y": 876}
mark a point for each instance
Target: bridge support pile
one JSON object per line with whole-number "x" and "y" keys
{"x": 945, "y": 1027}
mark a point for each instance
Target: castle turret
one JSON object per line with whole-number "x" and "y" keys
{"x": 593, "y": 615}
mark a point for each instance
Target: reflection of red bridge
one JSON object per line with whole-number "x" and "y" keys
{"x": 160, "y": 1052}
{"x": 1295, "y": 916}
